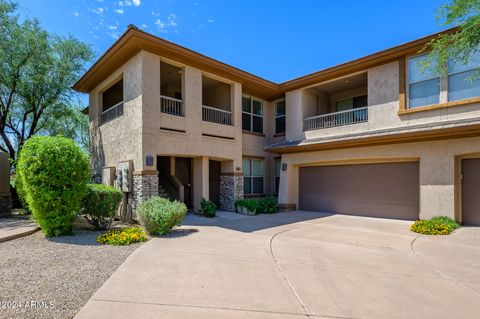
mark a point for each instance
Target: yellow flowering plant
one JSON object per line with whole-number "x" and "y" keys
{"x": 124, "y": 236}
{"x": 439, "y": 225}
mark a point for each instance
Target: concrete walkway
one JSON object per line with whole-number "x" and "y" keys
{"x": 295, "y": 265}
{"x": 16, "y": 227}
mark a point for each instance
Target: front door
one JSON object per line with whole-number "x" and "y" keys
{"x": 214, "y": 181}
{"x": 183, "y": 171}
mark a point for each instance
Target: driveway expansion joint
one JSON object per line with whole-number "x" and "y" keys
{"x": 445, "y": 276}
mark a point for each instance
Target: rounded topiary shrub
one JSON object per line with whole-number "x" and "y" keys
{"x": 100, "y": 205}
{"x": 53, "y": 172}
{"x": 159, "y": 215}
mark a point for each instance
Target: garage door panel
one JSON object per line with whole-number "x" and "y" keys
{"x": 388, "y": 190}
{"x": 471, "y": 191}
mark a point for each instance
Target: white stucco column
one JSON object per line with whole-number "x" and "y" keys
{"x": 201, "y": 187}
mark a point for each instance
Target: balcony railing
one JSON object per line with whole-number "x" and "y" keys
{"x": 212, "y": 114}
{"x": 341, "y": 118}
{"x": 112, "y": 113}
{"x": 170, "y": 105}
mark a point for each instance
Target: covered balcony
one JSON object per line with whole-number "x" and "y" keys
{"x": 339, "y": 102}
{"x": 171, "y": 100}
{"x": 216, "y": 101}
{"x": 112, "y": 103}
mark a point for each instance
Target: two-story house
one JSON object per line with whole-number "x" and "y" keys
{"x": 375, "y": 136}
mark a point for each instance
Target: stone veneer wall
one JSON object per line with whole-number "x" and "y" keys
{"x": 231, "y": 188}
{"x": 144, "y": 186}
{"x": 5, "y": 204}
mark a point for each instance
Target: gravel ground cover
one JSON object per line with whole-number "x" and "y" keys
{"x": 54, "y": 277}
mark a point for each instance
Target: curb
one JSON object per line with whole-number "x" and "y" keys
{"x": 19, "y": 235}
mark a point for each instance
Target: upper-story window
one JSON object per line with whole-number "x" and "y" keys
{"x": 427, "y": 87}
{"x": 252, "y": 114}
{"x": 280, "y": 116}
{"x": 462, "y": 80}
{"x": 112, "y": 102}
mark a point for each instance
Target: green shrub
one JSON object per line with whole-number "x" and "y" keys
{"x": 440, "y": 225}
{"x": 53, "y": 173}
{"x": 238, "y": 203}
{"x": 22, "y": 196}
{"x": 159, "y": 215}
{"x": 250, "y": 204}
{"x": 124, "y": 236}
{"x": 100, "y": 205}
{"x": 209, "y": 209}
{"x": 267, "y": 205}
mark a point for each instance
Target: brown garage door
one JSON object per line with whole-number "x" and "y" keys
{"x": 470, "y": 191}
{"x": 389, "y": 190}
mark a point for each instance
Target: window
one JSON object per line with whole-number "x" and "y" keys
{"x": 277, "y": 174}
{"x": 280, "y": 117}
{"x": 425, "y": 86}
{"x": 252, "y": 176}
{"x": 252, "y": 114}
{"x": 112, "y": 102}
{"x": 462, "y": 84}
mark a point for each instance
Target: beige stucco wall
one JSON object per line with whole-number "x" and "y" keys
{"x": 383, "y": 102}
{"x": 253, "y": 146}
{"x": 118, "y": 140}
{"x": 437, "y": 169}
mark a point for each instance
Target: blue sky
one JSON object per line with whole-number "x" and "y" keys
{"x": 278, "y": 40}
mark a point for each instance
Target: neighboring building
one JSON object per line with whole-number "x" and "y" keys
{"x": 374, "y": 137}
{"x": 5, "y": 198}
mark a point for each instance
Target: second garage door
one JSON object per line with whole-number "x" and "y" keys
{"x": 470, "y": 189}
{"x": 388, "y": 190}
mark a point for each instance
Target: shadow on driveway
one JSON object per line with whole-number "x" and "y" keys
{"x": 248, "y": 224}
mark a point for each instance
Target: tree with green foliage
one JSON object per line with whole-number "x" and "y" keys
{"x": 53, "y": 174}
{"x": 37, "y": 71}
{"x": 463, "y": 42}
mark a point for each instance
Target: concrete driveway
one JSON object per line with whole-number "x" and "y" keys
{"x": 295, "y": 265}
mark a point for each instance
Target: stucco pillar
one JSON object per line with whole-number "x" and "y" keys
{"x": 437, "y": 180}
{"x": 150, "y": 108}
{"x": 294, "y": 116}
{"x": 200, "y": 181}
{"x": 193, "y": 100}
{"x": 288, "y": 190}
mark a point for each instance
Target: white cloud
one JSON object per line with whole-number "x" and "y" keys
{"x": 120, "y": 3}
{"x": 127, "y": 3}
{"x": 136, "y": 3}
{"x": 119, "y": 11}
{"x": 97, "y": 10}
{"x": 165, "y": 26}
{"x": 76, "y": 14}
{"x": 159, "y": 23}
{"x": 172, "y": 20}
{"x": 210, "y": 21}
{"x": 144, "y": 26}
{"x": 112, "y": 30}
